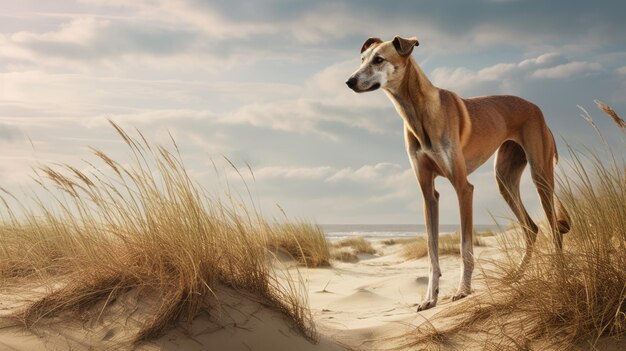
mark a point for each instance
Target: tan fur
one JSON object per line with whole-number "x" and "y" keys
{"x": 449, "y": 136}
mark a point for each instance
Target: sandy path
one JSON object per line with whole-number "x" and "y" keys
{"x": 374, "y": 300}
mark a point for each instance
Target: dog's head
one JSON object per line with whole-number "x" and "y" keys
{"x": 381, "y": 63}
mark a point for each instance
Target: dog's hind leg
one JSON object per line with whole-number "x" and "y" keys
{"x": 543, "y": 177}
{"x": 541, "y": 151}
{"x": 465, "y": 195}
{"x": 509, "y": 166}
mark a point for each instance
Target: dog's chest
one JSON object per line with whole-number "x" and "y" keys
{"x": 439, "y": 156}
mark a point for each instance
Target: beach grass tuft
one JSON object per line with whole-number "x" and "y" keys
{"x": 305, "y": 242}
{"x": 358, "y": 244}
{"x": 109, "y": 227}
{"x": 449, "y": 244}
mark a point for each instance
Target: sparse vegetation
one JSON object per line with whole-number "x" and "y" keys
{"x": 389, "y": 242}
{"x": 358, "y": 244}
{"x": 344, "y": 255}
{"x": 146, "y": 226}
{"x": 417, "y": 248}
{"x": 395, "y": 241}
{"x": 347, "y": 250}
{"x": 484, "y": 233}
{"x": 449, "y": 244}
{"x": 305, "y": 242}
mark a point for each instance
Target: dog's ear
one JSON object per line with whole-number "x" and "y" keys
{"x": 405, "y": 46}
{"x": 369, "y": 42}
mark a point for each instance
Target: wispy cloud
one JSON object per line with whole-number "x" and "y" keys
{"x": 8, "y": 132}
{"x": 567, "y": 70}
{"x": 505, "y": 77}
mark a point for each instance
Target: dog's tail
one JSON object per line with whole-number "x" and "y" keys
{"x": 562, "y": 216}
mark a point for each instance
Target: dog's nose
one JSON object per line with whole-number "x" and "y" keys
{"x": 351, "y": 83}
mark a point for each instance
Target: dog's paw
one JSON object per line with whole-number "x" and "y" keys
{"x": 426, "y": 305}
{"x": 459, "y": 295}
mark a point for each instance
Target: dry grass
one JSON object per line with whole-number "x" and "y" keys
{"x": 449, "y": 244}
{"x": 485, "y": 234}
{"x": 146, "y": 226}
{"x": 348, "y": 250}
{"x": 305, "y": 242}
{"x": 358, "y": 244}
{"x": 611, "y": 113}
{"x": 562, "y": 300}
{"x": 344, "y": 255}
{"x": 402, "y": 241}
{"x": 417, "y": 248}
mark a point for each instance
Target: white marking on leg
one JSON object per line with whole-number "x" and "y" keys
{"x": 467, "y": 254}
{"x": 434, "y": 272}
{"x": 432, "y": 223}
{"x": 467, "y": 245}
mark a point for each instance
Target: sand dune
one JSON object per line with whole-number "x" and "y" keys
{"x": 241, "y": 323}
{"x": 354, "y": 304}
{"x": 367, "y": 305}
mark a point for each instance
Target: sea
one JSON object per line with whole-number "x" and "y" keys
{"x": 383, "y": 231}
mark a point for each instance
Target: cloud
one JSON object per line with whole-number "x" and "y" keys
{"x": 305, "y": 116}
{"x": 567, "y": 70}
{"x": 310, "y": 173}
{"x": 373, "y": 183}
{"x": 456, "y": 26}
{"x": 381, "y": 173}
{"x": 462, "y": 78}
{"x": 153, "y": 116}
{"x": 199, "y": 16}
{"x": 322, "y": 102}
{"x": 510, "y": 77}
{"x": 376, "y": 177}
{"x": 294, "y": 116}
{"x": 195, "y": 35}
{"x": 79, "y": 31}
{"x": 7, "y": 132}
{"x": 549, "y": 59}
{"x": 159, "y": 40}
{"x": 90, "y": 38}
{"x": 383, "y": 189}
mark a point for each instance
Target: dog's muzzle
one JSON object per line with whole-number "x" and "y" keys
{"x": 351, "y": 82}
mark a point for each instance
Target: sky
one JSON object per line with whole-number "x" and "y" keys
{"x": 262, "y": 83}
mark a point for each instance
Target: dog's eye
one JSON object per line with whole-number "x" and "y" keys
{"x": 378, "y": 60}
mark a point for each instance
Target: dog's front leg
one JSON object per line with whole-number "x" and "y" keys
{"x": 465, "y": 192}
{"x": 424, "y": 172}
{"x": 431, "y": 216}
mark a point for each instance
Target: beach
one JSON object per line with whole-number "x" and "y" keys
{"x": 371, "y": 304}
{"x": 365, "y": 305}
{"x": 356, "y": 305}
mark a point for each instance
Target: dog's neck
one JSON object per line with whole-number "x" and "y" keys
{"x": 416, "y": 99}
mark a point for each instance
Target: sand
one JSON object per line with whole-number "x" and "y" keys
{"x": 353, "y": 304}
{"x": 371, "y": 304}
{"x": 366, "y": 305}
{"x": 241, "y": 323}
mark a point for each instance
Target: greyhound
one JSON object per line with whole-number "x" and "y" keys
{"x": 449, "y": 136}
